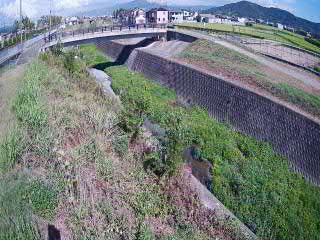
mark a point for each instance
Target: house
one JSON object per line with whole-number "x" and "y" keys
{"x": 280, "y": 26}
{"x": 186, "y": 14}
{"x": 176, "y": 16}
{"x": 158, "y": 16}
{"x": 72, "y": 21}
{"x": 242, "y": 20}
{"x": 136, "y": 16}
{"x": 209, "y": 18}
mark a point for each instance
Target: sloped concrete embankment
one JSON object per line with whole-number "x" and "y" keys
{"x": 291, "y": 134}
{"x": 120, "y": 50}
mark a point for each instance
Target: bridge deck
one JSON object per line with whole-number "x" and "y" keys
{"x": 116, "y": 34}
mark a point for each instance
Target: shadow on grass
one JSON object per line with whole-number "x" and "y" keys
{"x": 103, "y": 66}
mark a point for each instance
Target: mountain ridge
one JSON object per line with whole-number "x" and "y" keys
{"x": 271, "y": 14}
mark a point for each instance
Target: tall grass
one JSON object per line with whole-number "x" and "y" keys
{"x": 11, "y": 149}
{"x": 22, "y": 198}
{"x": 16, "y": 220}
{"x": 248, "y": 177}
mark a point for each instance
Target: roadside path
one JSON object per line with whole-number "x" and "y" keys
{"x": 294, "y": 72}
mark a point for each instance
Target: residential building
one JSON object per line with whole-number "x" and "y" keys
{"x": 280, "y": 26}
{"x": 137, "y": 16}
{"x": 158, "y": 16}
{"x": 186, "y": 14}
{"x": 176, "y": 16}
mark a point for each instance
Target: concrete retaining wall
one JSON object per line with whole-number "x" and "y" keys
{"x": 292, "y": 134}
{"x": 120, "y": 52}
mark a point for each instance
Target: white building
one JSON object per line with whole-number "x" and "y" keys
{"x": 158, "y": 16}
{"x": 186, "y": 14}
{"x": 280, "y": 26}
{"x": 176, "y": 16}
{"x": 137, "y": 16}
{"x": 209, "y": 18}
{"x": 242, "y": 20}
{"x": 140, "y": 20}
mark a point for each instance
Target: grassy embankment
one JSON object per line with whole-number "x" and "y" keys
{"x": 239, "y": 67}
{"x": 257, "y": 31}
{"x": 67, "y": 163}
{"x": 248, "y": 177}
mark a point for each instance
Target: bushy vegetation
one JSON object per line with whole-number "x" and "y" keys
{"x": 313, "y": 41}
{"x": 79, "y": 168}
{"x": 248, "y": 177}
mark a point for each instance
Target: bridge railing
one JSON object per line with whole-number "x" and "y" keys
{"x": 103, "y": 29}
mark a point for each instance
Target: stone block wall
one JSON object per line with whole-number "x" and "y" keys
{"x": 121, "y": 52}
{"x": 291, "y": 134}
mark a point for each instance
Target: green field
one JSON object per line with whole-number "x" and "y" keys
{"x": 256, "y": 31}
{"x": 248, "y": 177}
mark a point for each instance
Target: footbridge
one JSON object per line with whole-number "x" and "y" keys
{"x": 81, "y": 37}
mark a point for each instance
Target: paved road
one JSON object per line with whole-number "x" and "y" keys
{"x": 9, "y": 53}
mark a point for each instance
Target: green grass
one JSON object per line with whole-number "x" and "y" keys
{"x": 11, "y": 149}
{"x": 16, "y": 220}
{"x": 249, "y": 178}
{"x": 317, "y": 69}
{"x": 92, "y": 57}
{"x": 257, "y": 31}
{"x": 219, "y": 59}
{"x": 22, "y": 196}
{"x": 294, "y": 95}
{"x": 43, "y": 199}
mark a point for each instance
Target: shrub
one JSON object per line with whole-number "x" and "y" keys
{"x": 43, "y": 199}
{"x": 104, "y": 168}
{"x": 120, "y": 144}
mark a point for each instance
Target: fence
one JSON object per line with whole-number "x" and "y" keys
{"x": 284, "y": 52}
{"x": 272, "y": 48}
{"x": 111, "y": 28}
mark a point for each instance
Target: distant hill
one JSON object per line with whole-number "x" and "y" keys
{"x": 252, "y": 10}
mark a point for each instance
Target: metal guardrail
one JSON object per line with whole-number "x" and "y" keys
{"x": 8, "y": 53}
{"x": 83, "y": 31}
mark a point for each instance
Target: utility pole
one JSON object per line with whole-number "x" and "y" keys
{"x": 21, "y": 21}
{"x": 50, "y": 20}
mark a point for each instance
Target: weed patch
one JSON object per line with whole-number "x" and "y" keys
{"x": 248, "y": 177}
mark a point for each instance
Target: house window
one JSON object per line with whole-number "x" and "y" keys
{"x": 164, "y": 19}
{"x": 159, "y": 19}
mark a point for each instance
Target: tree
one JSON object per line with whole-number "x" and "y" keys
{"x": 198, "y": 18}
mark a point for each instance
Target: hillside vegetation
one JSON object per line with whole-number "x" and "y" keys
{"x": 248, "y": 177}
{"x": 256, "y": 31}
{"x": 68, "y": 166}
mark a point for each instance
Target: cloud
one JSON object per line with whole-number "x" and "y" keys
{"x": 35, "y": 8}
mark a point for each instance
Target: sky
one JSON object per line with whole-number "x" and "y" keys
{"x": 309, "y": 9}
